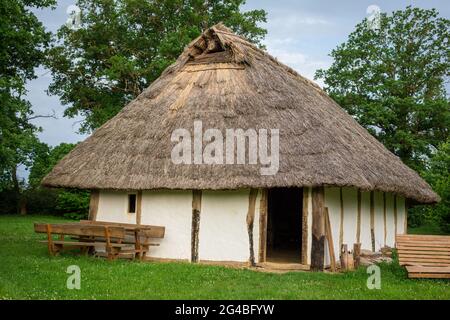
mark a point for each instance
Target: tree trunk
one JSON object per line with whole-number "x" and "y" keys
{"x": 21, "y": 204}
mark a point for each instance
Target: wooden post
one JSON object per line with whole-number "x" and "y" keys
{"x": 196, "y": 208}
{"x": 139, "y": 208}
{"x": 330, "y": 241}
{"x": 108, "y": 247}
{"x": 137, "y": 244}
{"x": 305, "y": 225}
{"x": 51, "y": 248}
{"x": 318, "y": 229}
{"x": 372, "y": 219}
{"x": 395, "y": 216}
{"x": 384, "y": 218}
{"x": 405, "y": 228}
{"x": 93, "y": 205}
{"x": 358, "y": 219}
{"x": 263, "y": 226}
{"x": 250, "y": 221}
{"x": 347, "y": 262}
{"x": 357, "y": 254}
{"x": 341, "y": 224}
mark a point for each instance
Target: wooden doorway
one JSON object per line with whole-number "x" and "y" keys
{"x": 284, "y": 225}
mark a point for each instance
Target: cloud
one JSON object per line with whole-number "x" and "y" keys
{"x": 300, "y": 62}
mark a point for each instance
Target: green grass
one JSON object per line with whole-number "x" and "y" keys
{"x": 430, "y": 229}
{"x": 27, "y": 272}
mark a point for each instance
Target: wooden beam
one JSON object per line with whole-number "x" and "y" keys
{"x": 405, "y": 228}
{"x": 250, "y": 222}
{"x": 196, "y": 209}
{"x": 318, "y": 229}
{"x": 357, "y": 254}
{"x": 93, "y": 205}
{"x": 372, "y": 219}
{"x": 263, "y": 226}
{"x": 384, "y": 218}
{"x": 330, "y": 240}
{"x": 395, "y": 214}
{"x": 139, "y": 208}
{"x": 358, "y": 219}
{"x": 305, "y": 225}
{"x": 341, "y": 224}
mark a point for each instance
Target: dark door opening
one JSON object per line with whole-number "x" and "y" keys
{"x": 284, "y": 225}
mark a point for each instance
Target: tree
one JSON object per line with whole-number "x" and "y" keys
{"x": 438, "y": 176}
{"x": 23, "y": 39}
{"x": 71, "y": 203}
{"x": 45, "y": 160}
{"x": 121, "y": 46}
{"x": 392, "y": 80}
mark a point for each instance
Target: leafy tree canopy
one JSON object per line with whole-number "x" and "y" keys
{"x": 23, "y": 39}
{"x": 121, "y": 46}
{"x": 392, "y": 80}
{"x": 44, "y": 161}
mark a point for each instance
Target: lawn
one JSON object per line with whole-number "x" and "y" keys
{"x": 27, "y": 272}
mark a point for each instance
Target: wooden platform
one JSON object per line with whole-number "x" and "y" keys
{"x": 424, "y": 256}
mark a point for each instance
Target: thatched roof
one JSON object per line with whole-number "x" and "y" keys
{"x": 227, "y": 82}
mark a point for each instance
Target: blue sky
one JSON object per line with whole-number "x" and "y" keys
{"x": 301, "y": 33}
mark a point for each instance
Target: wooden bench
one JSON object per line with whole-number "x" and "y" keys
{"x": 424, "y": 256}
{"x": 88, "y": 237}
{"x": 139, "y": 235}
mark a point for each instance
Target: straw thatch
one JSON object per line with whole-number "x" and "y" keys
{"x": 227, "y": 82}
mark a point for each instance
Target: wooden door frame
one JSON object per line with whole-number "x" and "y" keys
{"x": 263, "y": 216}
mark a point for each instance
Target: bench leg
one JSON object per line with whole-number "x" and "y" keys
{"x": 51, "y": 246}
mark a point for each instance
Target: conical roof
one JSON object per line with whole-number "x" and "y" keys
{"x": 226, "y": 82}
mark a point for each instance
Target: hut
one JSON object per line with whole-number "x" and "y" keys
{"x": 217, "y": 209}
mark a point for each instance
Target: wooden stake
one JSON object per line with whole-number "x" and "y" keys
{"x": 384, "y": 218}
{"x": 405, "y": 228}
{"x": 395, "y": 215}
{"x": 358, "y": 219}
{"x": 357, "y": 254}
{"x": 250, "y": 221}
{"x": 330, "y": 241}
{"x": 341, "y": 226}
{"x": 196, "y": 208}
{"x": 372, "y": 219}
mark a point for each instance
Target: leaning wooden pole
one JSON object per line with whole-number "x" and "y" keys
{"x": 372, "y": 219}
{"x": 250, "y": 222}
{"x": 196, "y": 209}
{"x": 318, "y": 229}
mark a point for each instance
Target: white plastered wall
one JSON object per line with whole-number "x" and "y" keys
{"x": 113, "y": 207}
{"x": 223, "y": 232}
{"x": 332, "y": 202}
{"x": 350, "y": 198}
{"x": 223, "y": 226}
{"x": 172, "y": 210}
{"x": 379, "y": 220}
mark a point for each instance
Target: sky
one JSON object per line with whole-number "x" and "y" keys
{"x": 301, "y": 34}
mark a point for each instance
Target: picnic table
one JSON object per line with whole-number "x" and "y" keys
{"x": 116, "y": 239}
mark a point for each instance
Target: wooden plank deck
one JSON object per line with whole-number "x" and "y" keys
{"x": 424, "y": 256}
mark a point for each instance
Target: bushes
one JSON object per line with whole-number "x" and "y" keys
{"x": 72, "y": 204}
{"x": 438, "y": 176}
